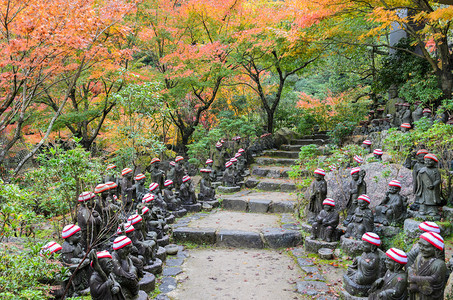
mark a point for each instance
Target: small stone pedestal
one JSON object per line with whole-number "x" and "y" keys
{"x": 172, "y": 249}
{"x": 161, "y": 254}
{"x": 214, "y": 203}
{"x": 142, "y": 295}
{"x": 179, "y": 213}
{"x": 347, "y": 296}
{"x": 314, "y": 245}
{"x": 154, "y": 268}
{"x": 164, "y": 241}
{"x": 228, "y": 189}
{"x": 147, "y": 283}
{"x": 192, "y": 207}
{"x": 355, "y": 289}
{"x": 417, "y": 215}
{"x": 386, "y": 231}
{"x": 350, "y": 246}
{"x": 170, "y": 219}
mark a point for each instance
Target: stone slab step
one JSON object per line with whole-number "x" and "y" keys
{"x": 239, "y": 230}
{"x": 271, "y": 171}
{"x": 260, "y": 202}
{"x": 303, "y": 142}
{"x": 322, "y": 136}
{"x": 281, "y": 153}
{"x": 264, "y": 160}
{"x": 276, "y": 184}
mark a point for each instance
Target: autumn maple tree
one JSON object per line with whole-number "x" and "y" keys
{"x": 46, "y": 47}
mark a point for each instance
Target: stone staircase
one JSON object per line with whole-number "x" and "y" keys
{"x": 260, "y": 218}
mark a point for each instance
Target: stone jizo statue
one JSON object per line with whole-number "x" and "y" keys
{"x": 394, "y": 283}
{"x": 428, "y": 187}
{"x": 427, "y": 276}
{"x": 367, "y": 145}
{"x": 326, "y": 222}
{"x": 103, "y": 285}
{"x": 363, "y": 219}
{"x": 228, "y": 178}
{"x": 125, "y": 273}
{"x": 377, "y": 154}
{"x": 405, "y": 127}
{"x": 127, "y": 188}
{"x": 423, "y": 227}
{"x": 392, "y": 210}
{"x": 157, "y": 175}
{"x": 418, "y": 165}
{"x": 318, "y": 193}
{"x": 173, "y": 203}
{"x": 357, "y": 187}
{"x": 207, "y": 192}
{"x": 187, "y": 191}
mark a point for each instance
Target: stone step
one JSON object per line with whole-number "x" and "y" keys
{"x": 261, "y": 202}
{"x": 275, "y": 184}
{"x": 263, "y": 160}
{"x": 304, "y": 142}
{"x": 271, "y": 171}
{"x": 281, "y": 153}
{"x": 322, "y": 136}
{"x": 239, "y": 230}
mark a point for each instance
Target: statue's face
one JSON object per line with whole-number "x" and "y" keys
{"x": 366, "y": 247}
{"x": 355, "y": 176}
{"x": 426, "y": 249}
{"x": 128, "y": 175}
{"x": 429, "y": 162}
{"x": 394, "y": 189}
{"x": 157, "y": 164}
{"x": 421, "y": 158}
{"x": 318, "y": 177}
{"x": 390, "y": 263}
{"x": 363, "y": 204}
{"x": 75, "y": 238}
{"x": 377, "y": 156}
{"x": 90, "y": 203}
{"x": 106, "y": 264}
{"x": 328, "y": 208}
{"x": 138, "y": 225}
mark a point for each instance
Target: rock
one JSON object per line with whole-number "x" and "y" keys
{"x": 281, "y": 238}
{"x": 311, "y": 288}
{"x": 257, "y": 171}
{"x": 347, "y": 296}
{"x": 154, "y": 268}
{"x": 168, "y": 284}
{"x": 172, "y": 249}
{"x": 288, "y": 187}
{"x": 206, "y": 206}
{"x": 259, "y": 206}
{"x": 282, "y": 207}
{"x": 161, "y": 254}
{"x": 386, "y": 231}
{"x": 216, "y": 184}
{"x": 179, "y": 213}
{"x": 313, "y": 246}
{"x": 303, "y": 262}
{"x": 171, "y": 271}
{"x": 163, "y": 241}
{"x": 228, "y": 189}
{"x": 411, "y": 228}
{"x": 350, "y": 246}
{"x": 268, "y": 186}
{"x": 147, "y": 283}
{"x": 142, "y": 295}
{"x": 310, "y": 269}
{"x": 239, "y": 239}
{"x": 195, "y": 235}
{"x": 325, "y": 253}
{"x": 175, "y": 262}
{"x": 162, "y": 297}
{"x": 447, "y": 213}
{"x": 170, "y": 219}
{"x": 315, "y": 277}
{"x": 234, "y": 204}
{"x": 214, "y": 203}
{"x": 251, "y": 182}
{"x": 192, "y": 207}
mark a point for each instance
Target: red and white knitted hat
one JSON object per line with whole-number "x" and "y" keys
{"x": 172, "y": 163}
{"x": 145, "y": 210}
{"x": 127, "y": 227}
{"x": 69, "y": 230}
{"x": 241, "y": 150}
{"x": 365, "y": 198}
{"x": 422, "y": 151}
{"x": 431, "y": 156}
{"x": 358, "y": 159}
{"x": 426, "y": 110}
{"x": 218, "y": 144}
{"x": 406, "y": 125}
{"x": 397, "y": 255}
{"x": 209, "y": 161}
{"x": 50, "y": 247}
{"x": 111, "y": 166}
{"x": 320, "y": 172}
{"x": 120, "y": 242}
{"x": 328, "y": 201}
{"x": 168, "y": 182}
{"x": 367, "y": 142}
{"x": 153, "y": 186}
{"x": 234, "y": 159}
{"x": 186, "y": 178}
{"x": 428, "y": 226}
{"x": 155, "y": 159}
{"x": 355, "y": 170}
{"x": 101, "y": 188}
{"x": 434, "y": 239}
{"x": 237, "y": 155}
{"x": 85, "y": 196}
{"x": 140, "y": 176}
{"x": 148, "y": 198}
{"x": 111, "y": 184}
{"x": 103, "y": 254}
{"x": 134, "y": 219}
{"x": 332, "y": 168}
{"x": 378, "y": 152}
{"x": 126, "y": 171}
{"x": 395, "y": 183}
{"x": 371, "y": 238}
{"x": 205, "y": 170}
{"x": 115, "y": 197}
{"x": 228, "y": 164}
{"x": 178, "y": 158}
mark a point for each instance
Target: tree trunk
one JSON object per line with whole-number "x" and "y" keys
{"x": 270, "y": 120}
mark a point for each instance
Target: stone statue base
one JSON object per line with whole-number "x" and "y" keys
{"x": 416, "y": 214}
{"x": 386, "y": 231}
{"x": 161, "y": 254}
{"x": 355, "y": 289}
{"x": 179, "y": 213}
{"x": 142, "y": 296}
{"x": 347, "y": 296}
{"x": 147, "y": 283}
{"x": 314, "y": 245}
{"x": 216, "y": 184}
{"x": 170, "y": 219}
{"x": 164, "y": 241}
{"x": 192, "y": 207}
{"x": 214, "y": 203}
{"x": 154, "y": 268}
{"x": 350, "y": 246}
